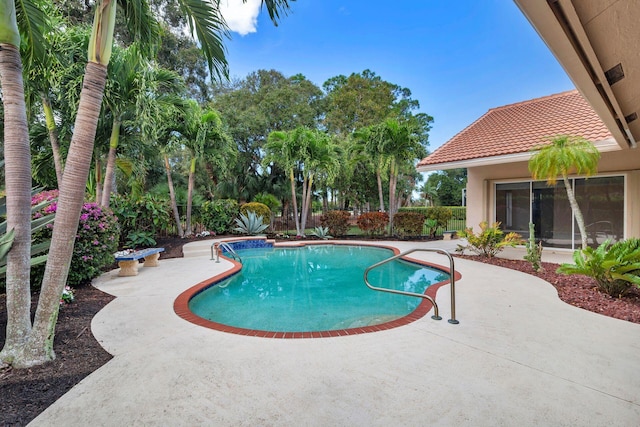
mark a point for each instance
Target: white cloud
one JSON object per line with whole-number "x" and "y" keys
{"x": 241, "y": 18}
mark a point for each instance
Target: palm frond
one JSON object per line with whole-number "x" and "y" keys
{"x": 206, "y": 23}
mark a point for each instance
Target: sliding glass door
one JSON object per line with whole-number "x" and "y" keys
{"x": 601, "y": 201}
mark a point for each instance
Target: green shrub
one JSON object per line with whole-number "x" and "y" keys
{"x": 137, "y": 239}
{"x": 373, "y": 223}
{"x": 149, "y": 213}
{"x": 336, "y": 221}
{"x": 615, "y": 267}
{"x": 268, "y": 199}
{"x": 490, "y": 241}
{"x": 409, "y": 223}
{"x": 441, "y": 214}
{"x": 217, "y": 215}
{"x": 96, "y": 241}
{"x": 260, "y": 209}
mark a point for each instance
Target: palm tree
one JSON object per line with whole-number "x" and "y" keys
{"x": 204, "y": 138}
{"x": 430, "y": 193}
{"x": 319, "y": 156}
{"x": 564, "y": 155}
{"x": 367, "y": 144}
{"x": 396, "y": 143}
{"x": 284, "y": 149}
{"x": 137, "y": 89}
{"x": 26, "y": 346}
{"x": 17, "y": 157}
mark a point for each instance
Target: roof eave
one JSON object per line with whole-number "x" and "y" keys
{"x": 605, "y": 145}
{"x": 558, "y": 24}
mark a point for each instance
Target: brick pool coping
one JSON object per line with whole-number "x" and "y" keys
{"x": 181, "y": 304}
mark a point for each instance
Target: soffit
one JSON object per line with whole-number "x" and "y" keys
{"x": 596, "y": 41}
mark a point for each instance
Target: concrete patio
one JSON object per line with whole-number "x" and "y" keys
{"x": 520, "y": 356}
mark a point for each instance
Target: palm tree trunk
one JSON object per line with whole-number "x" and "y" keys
{"x": 393, "y": 180}
{"x": 306, "y": 202}
{"x": 576, "y": 211}
{"x": 40, "y": 346}
{"x": 98, "y": 175}
{"x": 295, "y": 201}
{"x": 17, "y": 158}
{"x": 172, "y": 196}
{"x": 192, "y": 179}
{"x": 53, "y": 138}
{"x": 380, "y": 195}
{"x": 111, "y": 163}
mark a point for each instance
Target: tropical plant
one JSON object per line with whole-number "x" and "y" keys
{"x": 409, "y": 223}
{"x": 336, "y": 221}
{"x": 136, "y": 239}
{"x": 218, "y": 215}
{"x": 38, "y": 221}
{"x": 284, "y": 149}
{"x": 441, "y": 214}
{"x": 321, "y": 233}
{"x": 564, "y": 155}
{"x": 490, "y": 241}
{"x": 534, "y": 250}
{"x": 616, "y": 267}
{"x": 250, "y": 224}
{"x": 319, "y": 158}
{"x": 202, "y": 133}
{"x": 149, "y": 214}
{"x": 429, "y": 192}
{"x": 135, "y": 93}
{"x": 373, "y": 223}
{"x": 432, "y": 227}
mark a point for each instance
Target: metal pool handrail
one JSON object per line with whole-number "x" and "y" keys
{"x": 436, "y": 315}
{"x": 226, "y": 247}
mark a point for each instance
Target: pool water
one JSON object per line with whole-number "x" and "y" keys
{"x": 313, "y": 288}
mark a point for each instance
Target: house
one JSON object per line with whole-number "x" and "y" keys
{"x": 595, "y": 41}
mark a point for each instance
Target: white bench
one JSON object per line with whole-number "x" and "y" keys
{"x": 128, "y": 262}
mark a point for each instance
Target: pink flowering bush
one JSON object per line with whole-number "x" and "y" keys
{"x": 96, "y": 240}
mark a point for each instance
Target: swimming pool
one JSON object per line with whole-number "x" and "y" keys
{"x": 313, "y": 290}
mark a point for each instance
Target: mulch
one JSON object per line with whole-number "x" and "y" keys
{"x": 26, "y": 393}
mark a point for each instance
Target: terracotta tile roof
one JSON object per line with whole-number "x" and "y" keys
{"x": 516, "y": 128}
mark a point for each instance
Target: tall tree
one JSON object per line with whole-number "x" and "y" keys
{"x": 449, "y": 185}
{"x": 263, "y": 102}
{"x": 563, "y": 156}
{"x": 27, "y": 346}
{"x": 364, "y": 99}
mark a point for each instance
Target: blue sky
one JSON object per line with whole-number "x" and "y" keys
{"x": 459, "y": 59}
